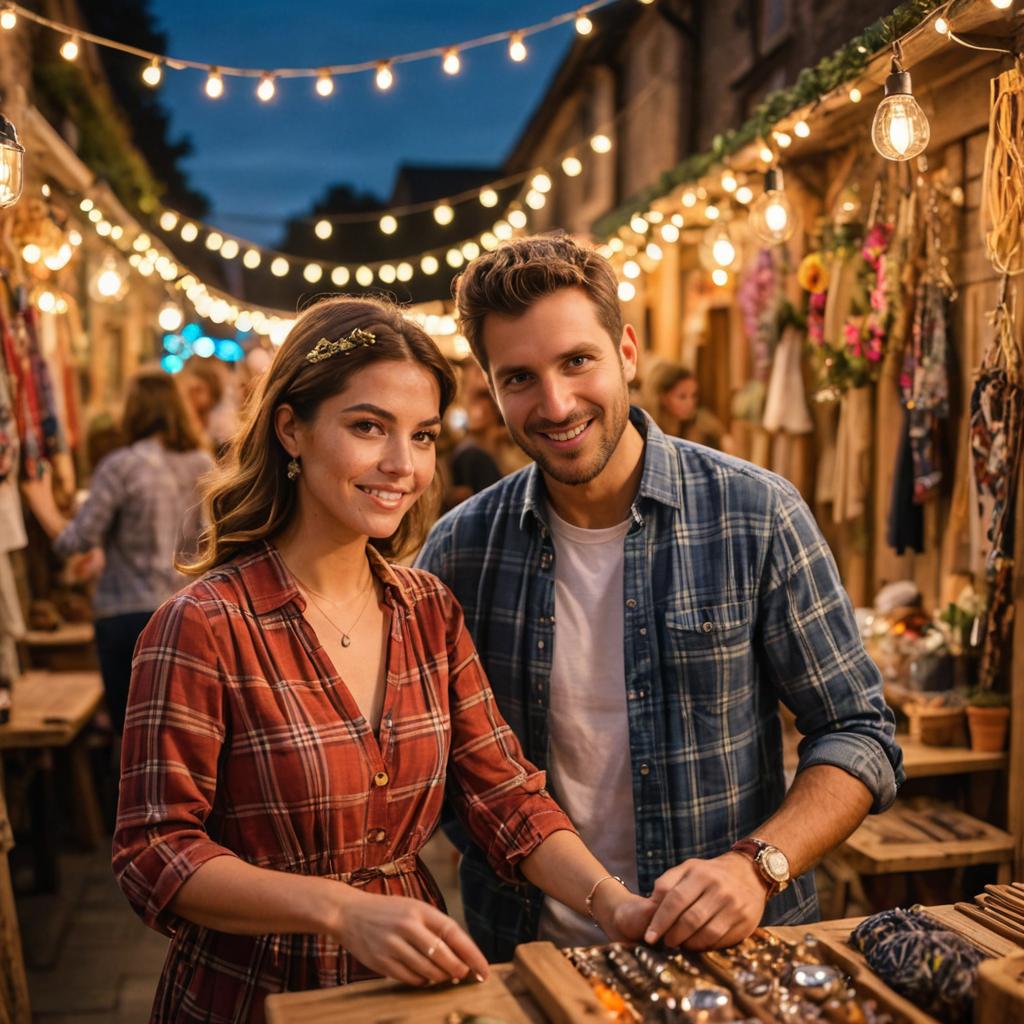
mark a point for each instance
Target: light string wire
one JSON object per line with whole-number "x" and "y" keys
{"x": 179, "y": 64}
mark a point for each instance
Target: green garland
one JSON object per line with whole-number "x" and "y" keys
{"x": 811, "y": 85}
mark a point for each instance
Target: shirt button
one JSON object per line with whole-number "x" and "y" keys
{"x": 631, "y": 602}
{"x": 378, "y": 835}
{"x": 387, "y": 721}
{"x": 381, "y": 779}
{"x": 707, "y": 627}
{"x": 643, "y": 631}
{"x": 631, "y": 695}
{"x": 645, "y": 769}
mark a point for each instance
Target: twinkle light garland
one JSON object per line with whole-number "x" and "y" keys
{"x": 323, "y": 75}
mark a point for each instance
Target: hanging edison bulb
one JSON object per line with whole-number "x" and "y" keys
{"x": 900, "y": 129}
{"x": 12, "y": 164}
{"x": 110, "y": 283}
{"x": 772, "y": 217}
{"x": 719, "y": 248}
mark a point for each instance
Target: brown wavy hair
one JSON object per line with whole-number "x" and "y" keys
{"x": 154, "y": 405}
{"x": 251, "y": 498}
{"x": 511, "y": 278}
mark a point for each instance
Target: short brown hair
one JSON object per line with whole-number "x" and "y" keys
{"x": 251, "y": 498}
{"x": 518, "y": 273}
{"x": 153, "y": 405}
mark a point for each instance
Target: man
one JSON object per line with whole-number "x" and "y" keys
{"x": 641, "y": 605}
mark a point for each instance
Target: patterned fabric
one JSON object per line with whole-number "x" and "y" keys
{"x": 732, "y": 603}
{"x": 242, "y": 740}
{"x": 143, "y": 509}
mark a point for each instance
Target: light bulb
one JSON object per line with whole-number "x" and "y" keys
{"x": 856, "y": 95}
{"x": 900, "y": 129}
{"x": 95, "y": 215}
{"x": 712, "y": 212}
{"x": 517, "y": 218}
{"x": 729, "y": 182}
{"x": 541, "y": 182}
{"x": 941, "y": 26}
{"x": 489, "y": 241}
{"x": 385, "y": 77}
{"x": 689, "y": 198}
{"x": 584, "y": 26}
{"x": 387, "y": 273}
{"x": 364, "y": 276}
{"x": 744, "y": 194}
{"x": 340, "y": 277}
{"x": 801, "y": 129}
{"x": 59, "y": 259}
{"x": 429, "y": 265}
{"x": 214, "y": 84}
{"x": 279, "y": 266}
{"x": 766, "y": 155}
{"x": 784, "y": 139}
{"x": 670, "y": 233}
{"x": 266, "y": 89}
{"x": 229, "y": 250}
{"x": 170, "y": 317}
{"x": 214, "y": 240}
{"x": 69, "y": 48}
{"x": 653, "y": 251}
{"x": 251, "y": 259}
{"x": 502, "y": 230}
{"x": 313, "y": 272}
{"x": 720, "y": 277}
{"x": 444, "y": 214}
{"x": 108, "y": 281}
{"x": 1002, "y": 5}
{"x": 452, "y": 63}
{"x": 31, "y": 253}
{"x": 168, "y": 220}
{"x": 47, "y": 302}
{"x": 152, "y": 73}
{"x": 535, "y": 200}
{"x": 638, "y": 224}
{"x": 772, "y": 217}
{"x": 627, "y": 291}
{"x": 719, "y": 248}
{"x": 388, "y": 224}
{"x": 323, "y": 229}
{"x": 516, "y": 47}
{"x": 488, "y": 197}
{"x": 75, "y": 237}
{"x": 8, "y": 19}
{"x": 454, "y": 258}
{"x": 471, "y": 250}
{"x": 404, "y": 272}
{"x": 324, "y": 84}
{"x": 600, "y": 143}
{"x": 572, "y": 166}
{"x": 631, "y": 269}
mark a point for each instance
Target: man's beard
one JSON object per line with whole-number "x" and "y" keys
{"x": 574, "y": 468}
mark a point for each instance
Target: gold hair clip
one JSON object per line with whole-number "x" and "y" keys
{"x": 324, "y": 349}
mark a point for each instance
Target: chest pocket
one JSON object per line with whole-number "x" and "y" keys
{"x": 706, "y": 655}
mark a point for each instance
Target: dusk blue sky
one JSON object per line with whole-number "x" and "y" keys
{"x": 260, "y": 163}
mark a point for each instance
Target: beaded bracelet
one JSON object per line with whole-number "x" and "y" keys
{"x": 590, "y": 896}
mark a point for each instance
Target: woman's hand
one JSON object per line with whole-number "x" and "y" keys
{"x": 406, "y": 939}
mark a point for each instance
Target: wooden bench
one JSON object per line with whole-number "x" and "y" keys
{"x": 71, "y": 648}
{"x": 49, "y": 711}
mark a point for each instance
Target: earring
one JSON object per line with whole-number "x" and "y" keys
{"x": 294, "y": 469}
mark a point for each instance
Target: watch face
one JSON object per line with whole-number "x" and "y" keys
{"x": 776, "y": 864}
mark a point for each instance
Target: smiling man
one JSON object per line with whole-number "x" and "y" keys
{"x": 642, "y": 605}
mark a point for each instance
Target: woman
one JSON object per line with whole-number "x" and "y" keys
{"x": 673, "y": 402}
{"x": 295, "y": 711}
{"x": 143, "y": 511}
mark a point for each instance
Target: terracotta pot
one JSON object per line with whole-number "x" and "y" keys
{"x": 988, "y": 728}
{"x": 939, "y": 726}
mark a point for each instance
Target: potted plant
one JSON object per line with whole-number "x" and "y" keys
{"x": 988, "y": 718}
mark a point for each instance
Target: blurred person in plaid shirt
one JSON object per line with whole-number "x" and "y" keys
{"x": 642, "y": 605}
{"x": 296, "y": 712}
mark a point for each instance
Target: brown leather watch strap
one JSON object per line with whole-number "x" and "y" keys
{"x": 751, "y": 848}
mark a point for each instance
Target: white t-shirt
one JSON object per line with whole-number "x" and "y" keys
{"x": 588, "y": 729}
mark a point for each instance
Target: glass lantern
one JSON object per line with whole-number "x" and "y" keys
{"x": 772, "y": 217}
{"x": 900, "y": 129}
{"x": 12, "y": 164}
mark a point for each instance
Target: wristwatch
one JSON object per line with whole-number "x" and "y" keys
{"x": 770, "y": 861}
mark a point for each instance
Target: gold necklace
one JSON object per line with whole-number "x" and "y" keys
{"x": 345, "y": 635}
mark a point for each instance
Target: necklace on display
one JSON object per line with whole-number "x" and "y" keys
{"x": 345, "y": 637}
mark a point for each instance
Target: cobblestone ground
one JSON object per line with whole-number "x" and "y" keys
{"x": 91, "y": 961}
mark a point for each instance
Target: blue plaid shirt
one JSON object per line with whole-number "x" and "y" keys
{"x": 732, "y": 603}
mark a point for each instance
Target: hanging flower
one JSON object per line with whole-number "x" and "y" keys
{"x": 812, "y": 274}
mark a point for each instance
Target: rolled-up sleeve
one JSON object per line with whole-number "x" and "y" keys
{"x": 814, "y": 655}
{"x": 173, "y": 735}
{"x": 497, "y": 793}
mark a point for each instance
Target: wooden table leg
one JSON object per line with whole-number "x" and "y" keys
{"x": 44, "y": 825}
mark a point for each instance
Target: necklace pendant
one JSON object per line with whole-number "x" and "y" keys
{"x": 346, "y": 640}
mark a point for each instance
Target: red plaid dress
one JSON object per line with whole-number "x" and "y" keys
{"x": 241, "y": 741}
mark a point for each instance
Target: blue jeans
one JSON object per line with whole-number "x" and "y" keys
{"x": 116, "y": 636}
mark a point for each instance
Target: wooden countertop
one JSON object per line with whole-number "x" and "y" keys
{"x": 49, "y": 709}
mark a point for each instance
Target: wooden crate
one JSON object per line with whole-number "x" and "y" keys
{"x": 1000, "y": 991}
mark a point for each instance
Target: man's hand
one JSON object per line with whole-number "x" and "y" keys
{"x": 707, "y": 904}
{"x": 622, "y": 915}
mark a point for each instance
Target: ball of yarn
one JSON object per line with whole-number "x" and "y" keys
{"x": 919, "y": 958}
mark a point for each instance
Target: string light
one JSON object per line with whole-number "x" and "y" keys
{"x": 251, "y": 259}
{"x": 168, "y": 220}
{"x": 404, "y": 271}
{"x": 627, "y": 291}
{"x": 266, "y": 89}
{"x": 387, "y": 273}
{"x": 339, "y": 277}
{"x": 471, "y": 250}
{"x": 1002, "y": 5}
{"x": 728, "y": 181}
{"x": 429, "y": 265}
{"x": 516, "y": 47}
{"x": 600, "y": 143}
{"x": 744, "y": 194}
{"x": 712, "y": 212}
{"x": 152, "y": 73}
{"x": 899, "y": 129}
{"x": 229, "y": 250}
{"x": 653, "y": 251}
{"x": 69, "y": 48}
{"x": 670, "y": 233}
{"x": 856, "y": 95}
{"x": 689, "y": 198}
{"x": 454, "y": 258}
{"x": 385, "y": 77}
{"x": 388, "y": 224}
{"x": 719, "y": 248}
{"x": 502, "y": 230}
{"x": 638, "y": 224}
{"x": 170, "y": 317}
{"x": 784, "y": 139}
{"x": 772, "y": 217}
{"x": 766, "y": 155}
{"x": 631, "y": 269}
{"x": 313, "y": 272}
{"x": 584, "y": 26}
{"x": 8, "y": 19}
{"x": 279, "y": 266}
{"x": 517, "y": 218}
{"x": 214, "y": 84}
{"x": 535, "y": 200}
{"x": 720, "y": 277}
{"x": 214, "y": 240}
{"x": 488, "y": 198}
{"x": 452, "y": 63}
{"x": 444, "y": 214}
{"x": 323, "y": 230}
{"x": 572, "y": 166}
{"x": 541, "y": 182}
{"x": 364, "y": 276}
{"x": 95, "y": 215}
{"x": 31, "y": 253}
{"x": 324, "y": 84}
{"x": 801, "y": 129}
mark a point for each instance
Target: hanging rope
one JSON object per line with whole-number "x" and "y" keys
{"x": 1002, "y": 205}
